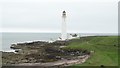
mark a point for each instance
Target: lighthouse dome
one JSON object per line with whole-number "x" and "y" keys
{"x": 64, "y": 12}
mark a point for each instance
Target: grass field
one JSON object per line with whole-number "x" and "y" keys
{"x": 105, "y": 50}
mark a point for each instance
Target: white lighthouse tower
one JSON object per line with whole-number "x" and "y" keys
{"x": 64, "y": 29}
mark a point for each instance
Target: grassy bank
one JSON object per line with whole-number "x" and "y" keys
{"x": 104, "y": 48}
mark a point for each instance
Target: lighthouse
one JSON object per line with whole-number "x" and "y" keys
{"x": 64, "y": 28}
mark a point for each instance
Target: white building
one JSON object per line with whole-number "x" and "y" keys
{"x": 64, "y": 28}
{"x": 64, "y": 35}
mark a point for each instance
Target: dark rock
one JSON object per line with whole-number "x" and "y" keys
{"x": 102, "y": 66}
{"x": 38, "y": 51}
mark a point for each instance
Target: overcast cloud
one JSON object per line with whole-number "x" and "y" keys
{"x": 84, "y": 16}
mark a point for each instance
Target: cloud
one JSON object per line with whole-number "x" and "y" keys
{"x": 38, "y": 16}
{"x": 28, "y": 1}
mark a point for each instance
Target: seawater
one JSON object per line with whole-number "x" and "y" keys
{"x": 9, "y": 38}
{"x": 6, "y": 38}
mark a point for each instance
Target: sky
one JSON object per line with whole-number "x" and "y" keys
{"x": 83, "y": 16}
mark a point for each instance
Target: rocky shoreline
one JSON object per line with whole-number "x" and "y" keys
{"x": 41, "y": 53}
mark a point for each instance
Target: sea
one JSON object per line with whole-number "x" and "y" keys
{"x": 7, "y": 38}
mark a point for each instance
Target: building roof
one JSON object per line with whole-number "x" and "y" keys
{"x": 64, "y": 12}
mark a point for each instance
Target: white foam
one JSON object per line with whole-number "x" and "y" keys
{"x": 28, "y": 42}
{"x": 9, "y": 51}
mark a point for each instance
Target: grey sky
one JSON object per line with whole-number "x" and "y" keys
{"x": 89, "y": 16}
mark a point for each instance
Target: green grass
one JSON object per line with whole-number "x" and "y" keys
{"x": 105, "y": 51}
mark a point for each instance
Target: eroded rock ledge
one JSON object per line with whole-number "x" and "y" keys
{"x": 42, "y": 53}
